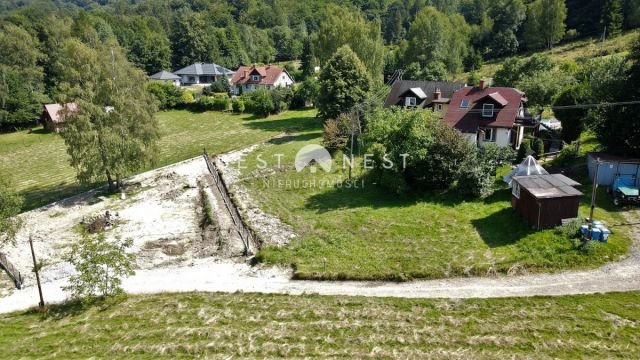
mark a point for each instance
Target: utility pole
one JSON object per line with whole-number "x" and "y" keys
{"x": 36, "y": 270}
{"x": 593, "y": 196}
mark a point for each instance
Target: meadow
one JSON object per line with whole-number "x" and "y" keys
{"x": 360, "y": 231}
{"x": 37, "y": 164}
{"x": 223, "y": 326}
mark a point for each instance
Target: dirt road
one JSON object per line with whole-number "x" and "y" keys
{"x": 225, "y": 276}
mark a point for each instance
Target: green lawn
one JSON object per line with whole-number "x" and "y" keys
{"x": 223, "y": 326}
{"x": 37, "y": 162}
{"x": 369, "y": 233}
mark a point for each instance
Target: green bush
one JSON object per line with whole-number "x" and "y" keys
{"x": 435, "y": 150}
{"x": 525, "y": 147}
{"x": 568, "y": 155}
{"x": 478, "y": 173}
{"x": 570, "y": 230}
{"x": 538, "y": 147}
{"x": 168, "y": 95}
{"x": 262, "y": 103}
{"x": 335, "y": 133}
{"x": 305, "y": 92}
{"x": 217, "y": 87}
{"x": 281, "y": 98}
{"x": 238, "y": 105}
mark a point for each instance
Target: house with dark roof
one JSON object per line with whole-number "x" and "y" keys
{"x": 53, "y": 115}
{"x": 166, "y": 77}
{"x": 490, "y": 114}
{"x": 433, "y": 95}
{"x": 251, "y": 78}
{"x": 202, "y": 73}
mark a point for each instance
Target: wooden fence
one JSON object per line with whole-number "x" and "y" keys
{"x": 11, "y": 270}
{"x": 243, "y": 230}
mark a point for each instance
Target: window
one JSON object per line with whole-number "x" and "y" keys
{"x": 464, "y": 103}
{"x": 516, "y": 190}
{"x": 487, "y": 110}
{"x": 255, "y": 77}
{"x": 410, "y": 101}
{"x": 439, "y": 107}
{"x": 489, "y": 134}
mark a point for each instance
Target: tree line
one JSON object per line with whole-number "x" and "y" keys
{"x": 431, "y": 39}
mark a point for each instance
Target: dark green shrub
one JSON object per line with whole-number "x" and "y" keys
{"x": 525, "y": 148}
{"x": 262, "y": 103}
{"x": 238, "y": 105}
{"x": 568, "y": 155}
{"x": 538, "y": 147}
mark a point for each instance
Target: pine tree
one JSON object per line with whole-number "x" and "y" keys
{"x": 612, "y": 17}
{"x": 307, "y": 60}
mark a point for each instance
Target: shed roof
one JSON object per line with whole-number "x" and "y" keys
{"x": 164, "y": 75}
{"x": 56, "y": 113}
{"x": 548, "y": 186}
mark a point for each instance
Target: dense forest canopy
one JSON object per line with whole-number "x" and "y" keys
{"x": 431, "y": 39}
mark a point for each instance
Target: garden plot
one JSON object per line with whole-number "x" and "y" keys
{"x": 162, "y": 212}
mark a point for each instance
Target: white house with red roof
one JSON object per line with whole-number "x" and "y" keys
{"x": 488, "y": 115}
{"x": 251, "y": 78}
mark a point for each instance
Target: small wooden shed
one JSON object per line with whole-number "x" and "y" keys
{"x": 544, "y": 200}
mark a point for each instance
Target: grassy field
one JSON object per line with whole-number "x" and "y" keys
{"x": 369, "y": 233}
{"x": 579, "y": 50}
{"x": 223, "y": 326}
{"x": 37, "y": 163}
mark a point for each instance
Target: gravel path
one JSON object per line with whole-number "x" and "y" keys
{"x": 226, "y": 276}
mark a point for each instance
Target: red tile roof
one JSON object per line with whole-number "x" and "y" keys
{"x": 268, "y": 75}
{"x": 54, "y": 111}
{"x": 507, "y": 101}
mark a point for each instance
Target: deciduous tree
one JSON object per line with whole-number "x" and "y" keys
{"x": 342, "y": 26}
{"x": 100, "y": 266}
{"x": 344, "y": 82}
{"x": 114, "y": 131}
{"x": 10, "y": 205}
{"x": 545, "y": 24}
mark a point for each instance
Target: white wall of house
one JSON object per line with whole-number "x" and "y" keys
{"x": 501, "y": 137}
{"x": 284, "y": 80}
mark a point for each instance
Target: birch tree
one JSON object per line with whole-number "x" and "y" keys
{"x": 113, "y": 132}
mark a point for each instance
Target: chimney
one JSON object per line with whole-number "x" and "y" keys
{"x": 437, "y": 94}
{"x": 483, "y": 84}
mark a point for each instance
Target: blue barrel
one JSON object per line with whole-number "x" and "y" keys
{"x": 584, "y": 229}
{"x": 596, "y": 234}
{"x": 605, "y": 235}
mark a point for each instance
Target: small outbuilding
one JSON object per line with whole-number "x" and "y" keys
{"x": 545, "y": 200}
{"x": 166, "y": 77}
{"x": 53, "y": 115}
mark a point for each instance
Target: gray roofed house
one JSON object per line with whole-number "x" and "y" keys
{"x": 166, "y": 76}
{"x": 202, "y": 73}
{"x": 433, "y": 95}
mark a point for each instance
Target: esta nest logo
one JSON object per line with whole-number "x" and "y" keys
{"x": 315, "y": 167}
